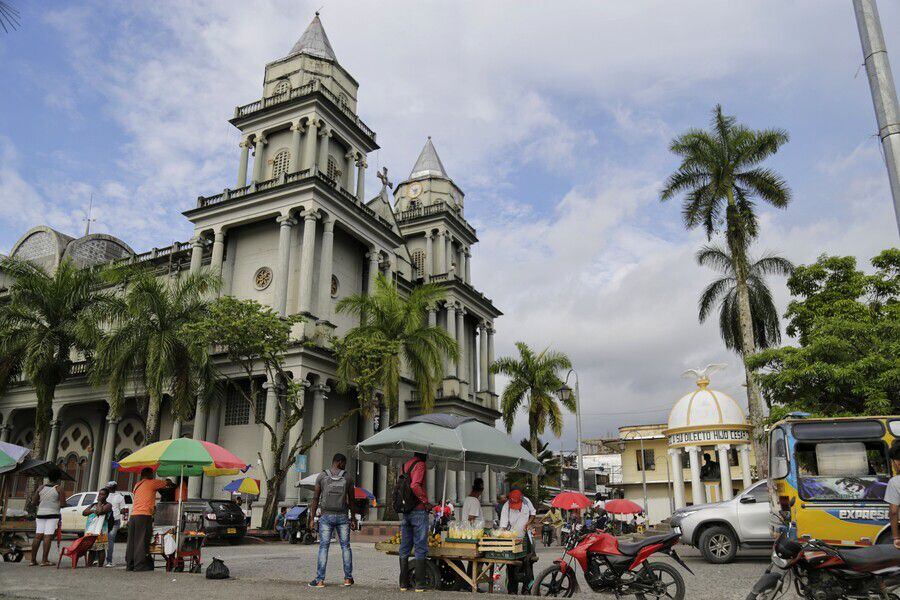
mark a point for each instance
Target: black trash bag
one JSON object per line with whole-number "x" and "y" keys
{"x": 217, "y": 570}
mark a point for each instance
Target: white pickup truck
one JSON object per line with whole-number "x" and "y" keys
{"x": 72, "y": 519}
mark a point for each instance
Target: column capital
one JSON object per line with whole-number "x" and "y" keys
{"x": 320, "y": 389}
{"x": 328, "y": 221}
{"x": 286, "y": 221}
{"x": 429, "y": 235}
{"x": 113, "y": 421}
{"x": 693, "y": 449}
{"x": 361, "y": 161}
{"x": 312, "y": 120}
{"x": 311, "y": 214}
{"x": 260, "y": 139}
{"x": 55, "y": 422}
{"x": 245, "y": 143}
{"x": 723, "y": 446}
{"x": 467, "y": 252}
{"x": 197, "y": 241}
{"x": 298, "y": 126}
{"x": 673, "y": 451}
{"x": 325, "y": 130}
{"x": 219, "y": 235}
{"x": 351, "y": 155}
{"x": 373, "y": 254}
{"x": 461, "y": 311}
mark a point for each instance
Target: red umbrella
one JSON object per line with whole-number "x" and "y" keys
{"x": 570, "y": 501}
{"x": 623, "y": 506}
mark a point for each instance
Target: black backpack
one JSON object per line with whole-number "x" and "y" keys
{"x": 217, "y": 570}
{"x": 405, "y": 500}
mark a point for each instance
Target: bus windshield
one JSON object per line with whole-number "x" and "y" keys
{"x": 841, "y": 470}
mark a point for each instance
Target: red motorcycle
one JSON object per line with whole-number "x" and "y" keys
{"x": 612, "y": 567}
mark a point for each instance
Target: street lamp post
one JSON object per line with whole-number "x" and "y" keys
{"x": 565, "y": 392}
{"x": 643, "y": 464}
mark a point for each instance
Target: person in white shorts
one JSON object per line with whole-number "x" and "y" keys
{"x": 49, "y": 499}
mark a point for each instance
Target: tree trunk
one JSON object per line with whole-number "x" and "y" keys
{"x": 535, "y": 479}
{"x": 389, "y": 513}
{"x": 748, "y": 346}
{"x": 153, "y": 406}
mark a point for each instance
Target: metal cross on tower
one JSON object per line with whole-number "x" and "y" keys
{"x": 383, "y": 176}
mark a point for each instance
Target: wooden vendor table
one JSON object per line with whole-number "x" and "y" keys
{"x": 477, "y": 569}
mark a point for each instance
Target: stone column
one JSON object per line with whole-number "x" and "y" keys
{"x": 462, "y": 486}
{"x": 432, "y": 316}
{"x": 448, "y": 252}
{"x": 677, "y": 470}
{"x": 463, "y": 362}
{"x": 218, "y": 251}
{"x": 4, "y": 433}
{"x": 317, "y": 452}
{"x": 462, "y": 264}
{"x": 451, "y": 485}
{"x": 468, "y": 269}
{"x": 200, "y": 416}
{"x": 324, "y": 147}
{"x": 382, "y": 468}
{"x": 307, "y": 257}
{"x": 349, "y": 182}
{"x": 53, "y": 443}
{"x": 482, "y": 357}
{"x": 374, "y": 259}
{"x": 744, "y": 454}
{"x": 212, "y": 435}
{"x": 268, "y": 457}
{"x": 196, "y": 253}
{"x": 429, "y": 257}
{"x": 492, "y": 488}
{"x": 176, "y": 429}
{"x": 309, "y": 152}
{"x": 451, "y": 329}
{"x": 258, "y": 158}
{"x": 361, "y": 178}
{"x": 490, "y": 357}
{"x": 296, "y": 136}
{"x": 698, "y": 493}
{"x": 367, "y": 468}
{"x": 283, "y": 268}
{"x": 725, "y": 471}
{"x": 326, "y": 268}
{"x": 295, "y": 433}
{"x": 242, "y": 166}
{"x": 429, "y": 485}
{"x": 440, "y": 257}
{"x": 106, "y": 457}
{"x": 96, "y": 454}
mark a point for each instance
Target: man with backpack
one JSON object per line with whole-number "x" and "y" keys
{"x": 412, "y": 505}
{"x": 334, "y": 495}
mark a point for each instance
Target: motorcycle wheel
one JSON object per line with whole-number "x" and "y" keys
{"x": 553, "y": 582}
{"x": 763, "y": 596}
{"x": 671, "y": 583}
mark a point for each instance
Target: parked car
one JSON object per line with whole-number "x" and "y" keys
{"x": 219, "y": 519}
{"x": 719, "y": 529}
{"x": 71, "y": 519}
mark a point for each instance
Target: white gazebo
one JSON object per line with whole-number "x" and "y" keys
{"x": 711, "y": 419}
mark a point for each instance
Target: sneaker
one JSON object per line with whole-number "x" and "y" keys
{"x": 316, "y": 583}
{"x": 348, "y": 581}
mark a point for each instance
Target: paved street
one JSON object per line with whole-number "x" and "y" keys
{"x": 281, "y": 571}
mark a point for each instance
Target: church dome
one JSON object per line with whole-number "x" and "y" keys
{"x": 705, "y": 407}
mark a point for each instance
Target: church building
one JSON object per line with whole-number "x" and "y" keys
{"x": 296, "y": 231}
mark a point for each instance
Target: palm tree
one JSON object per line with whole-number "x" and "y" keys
{"x": 397, "y": 324}
{"x": 147, "y": 342}
{"x": 534, "y": 379}
{"x": 46, "y": 320}
{"x": 720, "y": 175}
{"x": 723, "y": 293}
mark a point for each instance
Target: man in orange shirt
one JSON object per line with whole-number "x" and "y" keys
{"x": 140, "y": 522}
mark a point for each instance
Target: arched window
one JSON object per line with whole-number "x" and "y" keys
{"x": 281, "y": 163}
{"x": 123, "y": 478}
{"x": 333, "y": 171}
{"x": 418, "y": 260}
{"x": 282, "y": 87}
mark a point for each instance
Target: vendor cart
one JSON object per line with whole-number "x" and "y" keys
{"x": 178, "y": 542}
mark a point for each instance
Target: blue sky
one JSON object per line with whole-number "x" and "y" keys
{"x": 555, "y": 122}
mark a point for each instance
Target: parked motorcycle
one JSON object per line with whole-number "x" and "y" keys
{"x": 613, "y": 567}
{"x": 547, "y": 532}
{"x": 565, "y": 534}
{"x": 822, "y": 572}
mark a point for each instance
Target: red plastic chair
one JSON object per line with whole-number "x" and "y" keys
{"x": 77, "y": 549}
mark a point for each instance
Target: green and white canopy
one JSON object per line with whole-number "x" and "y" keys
{"x": 451, "y": 440}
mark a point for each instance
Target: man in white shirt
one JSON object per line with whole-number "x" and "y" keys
{"x": 471, "y": 508}
{"x": 517, "y": 515}
{"x": 117, "y": 500}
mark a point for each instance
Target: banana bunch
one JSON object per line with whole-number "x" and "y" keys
{"x": 394, "y": 539}
{"x": 434, "y": 540}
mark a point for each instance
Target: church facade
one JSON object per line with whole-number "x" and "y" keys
{"x": 296, "y": 232}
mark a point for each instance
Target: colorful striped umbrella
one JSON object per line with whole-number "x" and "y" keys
{"x": 244, "y": 485}
{"x": 11, "y": 455}
{"x": 184, "y": 456}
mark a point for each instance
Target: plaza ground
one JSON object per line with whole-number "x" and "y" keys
{"x": 276, "y": 570}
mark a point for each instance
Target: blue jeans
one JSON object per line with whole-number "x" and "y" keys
{"x": 327, "y": 524}
{"x": 414, "y": 533}
{"x": 112, "y": 542}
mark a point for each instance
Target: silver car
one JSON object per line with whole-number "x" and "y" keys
{"x": 719, "y": 529}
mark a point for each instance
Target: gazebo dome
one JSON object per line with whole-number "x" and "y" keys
{"x": 705, "y": 407}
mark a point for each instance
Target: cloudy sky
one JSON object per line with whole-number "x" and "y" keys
{"x": 555, "y": 122}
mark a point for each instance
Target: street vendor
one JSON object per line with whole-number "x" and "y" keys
{"x": 140, "y": 522}
{"x": 471, "y": 508}
{"x": 518, "y": 515}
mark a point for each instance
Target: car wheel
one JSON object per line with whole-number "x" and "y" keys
{"x": 718, "y": 545}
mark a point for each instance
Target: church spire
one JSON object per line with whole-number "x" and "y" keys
{"x": 428, "y": 164}
{"x": 314, "y": 42}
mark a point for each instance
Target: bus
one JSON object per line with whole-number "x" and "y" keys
{"x": 827, "y": 478}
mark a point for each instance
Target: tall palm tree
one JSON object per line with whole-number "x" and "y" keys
{"x": 146, "y": 341}
{"x": 723, "y": 293}
{"x": 46, "y": 320}
{"x": 719, "y": 177}
{"x": 534, "y": 379}
{"x": 398, "y": 323}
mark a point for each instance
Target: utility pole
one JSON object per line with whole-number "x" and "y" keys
{"x": 884, "y": 94}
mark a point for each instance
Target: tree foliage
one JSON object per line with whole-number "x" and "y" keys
{"x": 847, "y": 324}
{"x": 551, "y": 476}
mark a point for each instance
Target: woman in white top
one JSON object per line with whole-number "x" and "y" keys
{"x": 48, "y": 499}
